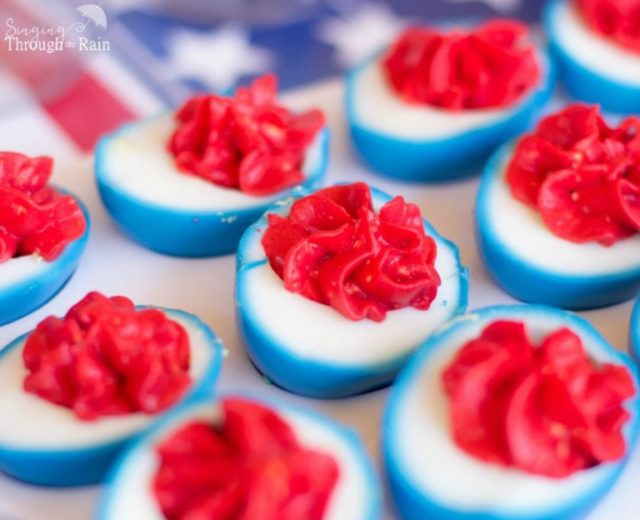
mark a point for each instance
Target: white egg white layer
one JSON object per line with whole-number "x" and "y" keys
{"x": 30, "y": 422}
{"x": 136, "y": 161}
{"x": 21, "y": 269}
{"x": 132, "y": 497}
{"x": 431, "y": 461}
{"x": 377, "y": 107}
{"x": 592, "y": 50}
{"x": 523, "y": 232}
{"x": 319, "y": 333}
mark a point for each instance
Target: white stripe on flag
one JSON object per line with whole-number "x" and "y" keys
{"x": 24, "y": 127}
{"x": 124, "y": 85}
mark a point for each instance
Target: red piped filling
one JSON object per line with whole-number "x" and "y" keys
{"x": 335, "y": 249}
{"x": 546, "y": 409}
{"x": 34, "y": 218}
{"x": 105, "y": 357}
{"x": 618, "y": 20}
{"x": 491, "y": 66}
{"x": 248, "y": 142}
{"x": 250, "y": 467}
{"x": 581, "y": 175}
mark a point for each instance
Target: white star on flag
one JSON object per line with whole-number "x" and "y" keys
{"x": 360, "y": 34}
{"x": 217, "y": 58}
{"x": 501, "y": 6}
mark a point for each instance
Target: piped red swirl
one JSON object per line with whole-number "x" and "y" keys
{"x": 335, "y": 249}
{"x": 105, "y": 358}
{"x": 248, "y": 142}
{"x": 617, "y": 20}
{"x": 251, "y": 466}
{"x": 546, "y": 409}
{"x": 491, "y": 66}
{"x": 581, "y": 175}
{"x": 34, "y": 218}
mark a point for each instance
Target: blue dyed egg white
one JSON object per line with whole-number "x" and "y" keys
{"x": 593, "y": 68}
{"x": 43, "y": 443}
{"x": 536, "y": 266}
{"x": 310, "y": 348}
{"x": 28, "y": 282}
{"x": 417, "y": 142}
{"x": 431, "y": 477}
{"x": 356, "y": 496}
{"x": 174, "y": 212}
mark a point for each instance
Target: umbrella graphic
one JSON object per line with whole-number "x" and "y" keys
{"x": 93, "y": 13}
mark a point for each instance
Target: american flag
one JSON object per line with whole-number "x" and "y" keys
{"x": 160, "y": 52}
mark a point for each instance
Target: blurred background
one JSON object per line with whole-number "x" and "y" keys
{"x": 116, "y": 60}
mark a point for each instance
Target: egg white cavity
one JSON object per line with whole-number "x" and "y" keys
{"x": 521, "y": 230}
{"x": 317, "y": 332}
{"x": 425, "y": 452}
{"x": 34, "y": 423}
{"x": 378, "y": 108}
{"x": 137, "y": 162}
{"x": 132, "y": 495}
{"x": 21, "y": 269}
{"x": 592, "y": 50}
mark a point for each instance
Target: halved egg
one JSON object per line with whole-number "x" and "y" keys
{"x": 419, "y": 142}
{"x": 432, "y": 477}
{"x": 536, "y": 266}
{"x": 312, "y": 349}
{"x": 593, "y": 67}
{"x": 46, "y": 444}
{"x": 28, "y": 282}
{"x": 173, "y": 212}
{"x": 356, "y": 494}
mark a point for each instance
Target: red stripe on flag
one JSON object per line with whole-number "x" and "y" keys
{"x": 82, "y": 106}
{"x": 86, "y": 111}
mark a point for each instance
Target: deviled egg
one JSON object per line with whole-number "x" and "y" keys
{"x": 514, "y": 412}
{"x": 76, "y": 390}
{"x": 43, "y": 233}
{"x": 244, "y": 458}
{"x": 557, "y": 215}
{"x": 190, "y": 183}
{"x": 336, "y": 289}
{"x": 437, "y": 102}
{"x": 597, "y": 48}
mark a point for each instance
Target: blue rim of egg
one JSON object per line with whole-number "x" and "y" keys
{"x": 88, "y": 464}
{"x": 433, "y": 159}
{"x": 634, "y": 331}
{"x": 114, "y": 497}
{"x": 583, "y": 73}
{"x": 537, "y": 281}
{"x": 315, "y": 373}
{"x": 29, "y": 293}
{"x": 180, "y": 231}
{"x": 416, "y": 498}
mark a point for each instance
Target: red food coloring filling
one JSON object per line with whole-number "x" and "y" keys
{"x": 491, "y": 66}
{"x": 247, "y": 142}
{"x": 333, "y": 248}
{"x": 581, "y": 175}
{"x": 251, "y": 466}
{"x": 546, "y": 409}
{"x": 105, "y": 357}
{"x": 34, "y": 218}
{"x": 617, "y": 20}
